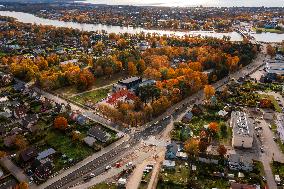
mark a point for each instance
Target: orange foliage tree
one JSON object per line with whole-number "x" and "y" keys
{"x": 191, "y": 146}
{"x": 209, "y": 91}
{"x": 85, "y": 80}
{"x": 60, "y": 123}
{"x": 131, "y": 68}
{"x": 214, "y": 127}
{"x": 23, "y": 185}
{"x": 222, "y": 150}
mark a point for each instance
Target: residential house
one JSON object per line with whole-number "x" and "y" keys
{"x": 3, "y": 100}
{"x": 20, "y": 112}
{"x": 89, "y": 141}
{"x": 5, "y": 79}
{"x": 172, "y": 150}
{"x": 43, "y": 170}
{"x": 175, "y": 151}
{"x": 7, "y": 113}
{"x": 240, "y": 163}
{"x": 46, "y": 153}
{"x": 187, "y": 117}
{"x": 98, "y": 133}
{"x": 19, "y": 87}
{"x": 79, "y": 118}
{"x": 168, "y": 164}
{"x": 29, "y": 121}
{"x": 235, "y": 185}
{"x": 28, "y": 154}
{"x": 9, "y": 140}
{"x": 129, "y": 83}
{"x": 82, "y": 120}
{"x": 223, "y": 113}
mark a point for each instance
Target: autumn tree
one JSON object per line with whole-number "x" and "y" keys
{"x": 75, "y": 136}
{"x": 20, "y": 142}
{"x": 203, "y": 145}
{"x": 270, "y": 50}
{"x": 42, "y": 63}
{"x": 265, "y": 103}
{"x": 99, "y": 48}
{"x": 151, "y": 73}
{"x": 122, "y": 43}
{"x": 160, "y": 105}
{"x": 195, "y": 66}
{"x": 222, "y": 150}
{"x": 131, "y": 69}
{"x": 2, "y": 154}
{"x": 209, "y": 91}
{"x": 191, "y": 147}
{"x": 85, "y": 80}
{"x": 60, "y": 123}
{"x": 232, "y": 62}
{"x": 23, "y": 185}
{"x": 213, "y": 127}
{"x": 4, "y": 60}
{"x": 141, "y": 67}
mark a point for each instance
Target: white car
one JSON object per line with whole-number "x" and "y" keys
{"x": 108, "y": 167}
{"x": 129, "y": 164}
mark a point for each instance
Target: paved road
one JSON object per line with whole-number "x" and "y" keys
{"x": 97, "y": 166}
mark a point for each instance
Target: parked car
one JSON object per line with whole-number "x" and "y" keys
{"x": 262, "y": 150}
{"x": 108, "y": 167}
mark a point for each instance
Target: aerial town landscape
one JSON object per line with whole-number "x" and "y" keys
{"x": 115, "y": 95}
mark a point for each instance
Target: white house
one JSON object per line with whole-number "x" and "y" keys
{"x": 242, "y": 130}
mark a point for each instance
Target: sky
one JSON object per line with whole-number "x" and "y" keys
{"x": 182, "y": 3}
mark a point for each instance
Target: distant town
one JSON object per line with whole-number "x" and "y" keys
{"x": 105, "y": 110}
{"x": 262, "y": 19}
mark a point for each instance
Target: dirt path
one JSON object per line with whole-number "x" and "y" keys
{"x": 155, "y": 175}
{"x": 135, "y": 178}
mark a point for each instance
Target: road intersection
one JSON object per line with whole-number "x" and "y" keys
{"x": 96, "y": 164}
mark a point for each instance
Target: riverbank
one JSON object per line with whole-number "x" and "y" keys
{"x": 234, "y": 36}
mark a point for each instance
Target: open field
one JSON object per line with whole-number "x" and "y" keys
{"x": 92, "y": 96}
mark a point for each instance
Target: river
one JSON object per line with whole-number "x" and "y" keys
{"x": 30, "y": 18}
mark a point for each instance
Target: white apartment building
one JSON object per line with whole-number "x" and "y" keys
{"x": 242, "y": 130}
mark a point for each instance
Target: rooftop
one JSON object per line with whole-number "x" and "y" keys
{"x": 129, "y": 80}
{"x": 241, "y": 124}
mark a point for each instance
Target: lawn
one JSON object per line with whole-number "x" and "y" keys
{"x": 198, "y": 123}
{"x": 93, "y": 96}
{"x": 179, "y": 176}
{"x": 99, "y": 82}
{"x": 268, "y": 30}
{"x": 104, "y": 186}
{"x": 64, "y": 144}
{"x": 278, "y": 169}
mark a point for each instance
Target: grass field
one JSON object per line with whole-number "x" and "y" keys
{"x": 93, "y": 96}
{"x": 64, "y": 144}
{"x": 268, "y": 30}
{"x": 99, "y": 82}
{"x": 104, "y": 186}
